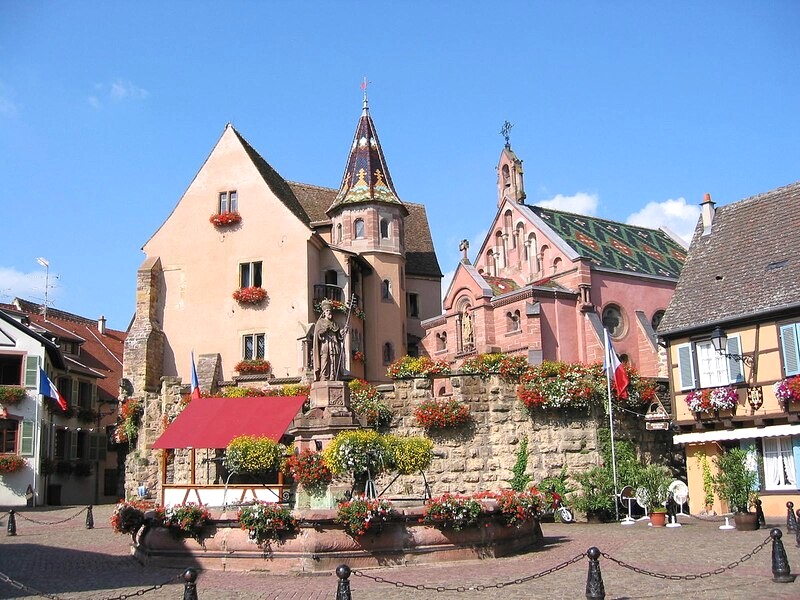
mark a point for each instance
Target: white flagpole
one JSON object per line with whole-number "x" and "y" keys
{"x": 608, "y": 350}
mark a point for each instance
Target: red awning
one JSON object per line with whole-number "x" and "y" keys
{"x": 214, "y": 422}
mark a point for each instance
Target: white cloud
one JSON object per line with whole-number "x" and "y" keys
{"x": 120, "y": 90}
{"x": 7, "y": 105}
{"x": 580, "y": 203}
{"x": 30, "y": 286}
{"x": 676, "y": 215}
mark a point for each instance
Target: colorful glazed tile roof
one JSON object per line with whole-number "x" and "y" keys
{"x": 501, "y": 285}
{"x": 366, "y": 178}
{"x": 615, "y": 245}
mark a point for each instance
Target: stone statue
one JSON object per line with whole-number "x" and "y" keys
{"x": 466, "y": 329}
{"x": 328, "y": 344}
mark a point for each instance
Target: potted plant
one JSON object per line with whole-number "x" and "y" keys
{"x": 267, "y": 521}
{"x": 253, "y": 456}
{"x": 734, "y": 482}
{"x": 654, "y": 480}
{"x": 596, "y": 500}
{"x": 452, "y": 512}
{"x": 356, "y": 516}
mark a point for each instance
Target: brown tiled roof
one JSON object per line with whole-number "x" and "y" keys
{"x": 420, "y": 254}
{"x": 102, "y": 353}
{"x": 275, "y": 182}
{"x": 748, "y": 265}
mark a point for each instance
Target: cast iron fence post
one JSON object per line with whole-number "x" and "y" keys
{"x": 12, "y": 523}
{"x": 190, "y": 587}
{"x": 595, "y": 590}
{"x": 791, "y": 520}
{"x": 89, "y": 518}
{"x": 781, "y": 571}
{"x": 343, "y": 588}
{"x": 760, "y": 513}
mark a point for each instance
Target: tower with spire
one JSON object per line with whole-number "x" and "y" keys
{"x": 510, "y": 184}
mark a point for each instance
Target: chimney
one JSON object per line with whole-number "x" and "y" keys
{"x": 707, "y": 213}
{"x": 101, "y": 325}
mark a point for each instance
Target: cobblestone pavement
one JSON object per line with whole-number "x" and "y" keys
{"x": 68, "y": 561}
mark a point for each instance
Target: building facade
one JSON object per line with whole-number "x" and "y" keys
{"x": 732, "y": 331}
{"x": 247, "y": 283}
{"x": 545, "y": 282}
{"x": 70, "y": 458}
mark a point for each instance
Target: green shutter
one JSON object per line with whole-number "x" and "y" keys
{"x": 26, "y": 439}
{"x": 735, "y": 370}
{"x": 789, "y": 347}
{"x": 686, "y": 367}
{"x": 31, "y": 371}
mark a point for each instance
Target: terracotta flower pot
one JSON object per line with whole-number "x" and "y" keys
{"x": 658, "y": 518}
{"x": 745, "y": 521}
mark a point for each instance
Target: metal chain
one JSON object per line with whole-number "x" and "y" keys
{"x": 21, "y": 515}
{"x": 478, "y": 588}
{"x": 690, "y": 576}
{"x": 21, "y": 586}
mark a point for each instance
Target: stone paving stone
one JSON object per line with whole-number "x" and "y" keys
{"x": 72, "y": 562}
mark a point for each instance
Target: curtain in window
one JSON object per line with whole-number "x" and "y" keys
{"x": 779, "y": 469}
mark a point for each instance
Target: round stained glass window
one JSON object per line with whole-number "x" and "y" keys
{"x": 613, "y": 320}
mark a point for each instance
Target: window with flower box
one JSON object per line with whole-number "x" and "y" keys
{"x": 9, "y": 429}
{"x": 790, "y": 348}
{"x": 228, "y": 202}
{"x": 250, "y": 274}
{"x": 10, "y": 369}
{"x": 254, "y": 346}
{"x": 701, "y": 366}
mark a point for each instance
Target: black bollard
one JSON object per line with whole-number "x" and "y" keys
{"x": 760, "y": 514}
{"x": 12, "y": 523}
{"x": 781, "y": 571}
{"x": 595, "y": 590}
{"x": 797, "y": 534}
{"x": 89, "y": 518}
{"x": 343, "y": 589}
{"x": 189, "y": 587}
{"x": 791, "y": 520}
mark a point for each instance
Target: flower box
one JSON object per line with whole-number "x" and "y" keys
{"x": 11, "y": 394}
{"x": 712, "y": 400}
{"x": 11, "y": 463}
{"x": 225, "y": 218}
{"x": 250, "y": 295}
{"x": 442, "y": 414}
{"x": 255, "y": 365}
{"x": 788, "y": 390}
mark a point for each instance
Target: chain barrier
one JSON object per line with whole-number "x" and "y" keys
{"x": 25, "y": 588}
{"x": 690, "y": 576}
{"x": 21, "y": 515}
{"x": 471, "y": 588}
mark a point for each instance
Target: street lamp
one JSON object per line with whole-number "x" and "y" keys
{"x": 719, "y": 339}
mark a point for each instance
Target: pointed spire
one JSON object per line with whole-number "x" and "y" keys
{"x": 366, "y": 177}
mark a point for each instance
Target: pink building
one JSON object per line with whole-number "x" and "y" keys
{"x": 545, "y": 283}
{"x": 239, "y": 267}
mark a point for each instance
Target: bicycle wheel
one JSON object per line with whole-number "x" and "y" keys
{"x": 565, "y": 514}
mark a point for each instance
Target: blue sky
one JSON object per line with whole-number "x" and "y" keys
{"x": 626, "y": 110}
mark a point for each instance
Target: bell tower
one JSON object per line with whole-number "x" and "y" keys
{"x": 510, "y": 183}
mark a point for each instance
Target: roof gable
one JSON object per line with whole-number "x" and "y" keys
{"x": 748, "y": 264}
{"x": 613, "y": 245}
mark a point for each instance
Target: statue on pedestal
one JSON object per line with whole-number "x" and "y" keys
{"x": 328, "y": 345}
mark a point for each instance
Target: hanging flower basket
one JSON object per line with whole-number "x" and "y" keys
{"x": 11, "y": 464}
{"x": 442, "y": 414}
{"x": 225, "y": 218}
{"x": 255, "y": 365}
{"x": 788, "y": 390}
{"x": 250, "y": 295}
{"x": 11, "y": 394}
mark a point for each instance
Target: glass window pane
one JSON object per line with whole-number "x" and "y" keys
{"x": 234, "y": 202}
{"x": 248, "y": 347}
{"x": 244, "y": 275}
{"x": 223, "y": 202}
{"x": 257, "y": 274}
{"x": 260, "y": 346}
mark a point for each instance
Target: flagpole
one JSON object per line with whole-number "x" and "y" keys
{"x": 611, "y": 420}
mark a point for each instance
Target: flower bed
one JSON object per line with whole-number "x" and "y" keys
{"x": 187, "y": 519}
{"x": 509, "y": 367}
{"x": 441, "y": 413}
{"x": 225, "y": 218}
{"x": 452, "y": 512}
{"x": 266, "y": 521}
{"x": 417, "y": 366}
{"x": 11, "y": 394}
{"x": 250, "y": 295}
{"x": 788, "y": 390}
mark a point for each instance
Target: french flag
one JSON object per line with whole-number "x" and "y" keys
{"x": 615, "y": 371}
{"x": 49, "y": 389}
{"x": 195, "y": 382}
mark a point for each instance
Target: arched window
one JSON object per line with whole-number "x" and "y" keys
{"x": 614, "y": 320}
{"x": 388, "y": 353}
{"x": 358, "y": 229}
{"x": 384, "y": 229}
{"x": 386, "y": 290}
{"x": 339, "y": 232}
{"x": 491, "y": 264}
{"x": 506, "y": 176}
{"x": 556, "y": 265}
{"x": 541, "y": 264}
{"x": 656, "y": 320}
{"x": 533, "y": 252}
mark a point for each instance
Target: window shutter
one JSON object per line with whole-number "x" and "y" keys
{"x": 73, "y": 444}
{"x": 26, "y": 439}
{"x": 75, "y": 392}
{"x": 93, "y": 447}
{"x": 685, "y": 367}
{"x": 735, "y": 370}
{"x": 789, "y": 347}
{"x": 31, "y": 370}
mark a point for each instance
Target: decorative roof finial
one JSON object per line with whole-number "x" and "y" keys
{"x": 364, "y": 88}
{"x": 505, "y": 130}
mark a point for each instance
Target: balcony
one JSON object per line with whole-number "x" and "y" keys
{"x": 331, "y": 292}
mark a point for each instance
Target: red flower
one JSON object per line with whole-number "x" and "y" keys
{"x": 225, "y": 218}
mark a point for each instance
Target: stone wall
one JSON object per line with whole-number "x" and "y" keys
{"x": 482, "y": 456}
